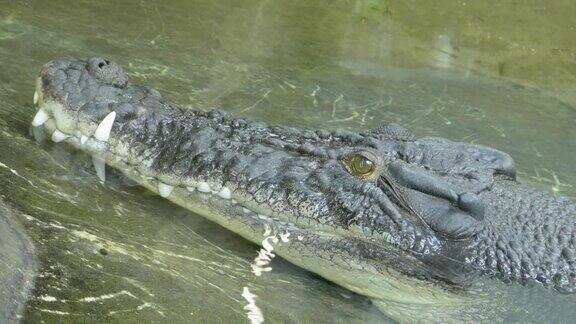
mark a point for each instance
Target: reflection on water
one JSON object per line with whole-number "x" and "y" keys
{"x": 494, "y": 73}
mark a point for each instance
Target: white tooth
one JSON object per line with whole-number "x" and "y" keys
{"x": 35, "y": 97}
{"x": 100, "y": 167}
{"x": 225, "y": 193}
{"x": 203, "y": 187}
{"x": 164, "y": 189}
{"x": 40, "y": 118}
{"x": 83, "y": 139}
{"x": 234, "y": 202}
{"x": 190, "y": 188}
{"x": 245, "y": 210}
{"x": 58, "y": 136}
{"x": 102, "y": 132}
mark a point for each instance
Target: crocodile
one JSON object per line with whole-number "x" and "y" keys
{"x": 405, "y": 221}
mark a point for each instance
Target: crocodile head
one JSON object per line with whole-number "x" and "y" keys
{"x": 380, "y": 212}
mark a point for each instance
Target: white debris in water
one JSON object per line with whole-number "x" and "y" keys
{"x": 267, "y": 230}
{"x": 54, "y": 311}
{"x": 284, "y": 237}
{"x": 11, "y": 170}
{"x": 47, "y": 298}
{"x": 262, "y": 264}
{"x": 254, "y": 313}
{"x": 267, "y": 245}
{"x": 108, "y": 296}
{"x": 300, "y": 237}
{"x": 14, "y": 172}
{"x": 56, "y": 224}
{"x": 265, "y": 256}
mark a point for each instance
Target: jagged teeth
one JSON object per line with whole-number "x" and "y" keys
{"x": 40, "y": 118}
{"x": 164, "y": 189}
{"x": 225, "y": 193}
{"x": 204, "y": 187}
{"x": 35, "y": 97}
{"x": 58, "y": 136}
{"x": 102, "y": 132}
{"x": 83, "y": 139}
{"x": 100, "y": 167}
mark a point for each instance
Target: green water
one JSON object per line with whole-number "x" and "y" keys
{"x": 496, "y": 73}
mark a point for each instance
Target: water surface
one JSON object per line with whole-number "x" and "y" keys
{"x": 500, "y": 74}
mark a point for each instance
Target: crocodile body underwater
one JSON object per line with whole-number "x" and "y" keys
{"x": 405, "y": 221}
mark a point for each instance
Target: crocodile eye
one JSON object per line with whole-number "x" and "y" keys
{"x": 361, "y": 166}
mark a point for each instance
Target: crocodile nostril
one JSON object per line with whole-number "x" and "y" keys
{"x": 103, "y": 64}
{"x": 108, "y": 72}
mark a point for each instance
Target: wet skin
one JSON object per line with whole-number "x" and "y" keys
{"x": 378, "y": 212}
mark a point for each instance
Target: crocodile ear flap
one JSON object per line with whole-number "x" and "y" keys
{"x": 445, "y": 218}
{"x": 457, "y": 216}
{"x": 453, "y": 223}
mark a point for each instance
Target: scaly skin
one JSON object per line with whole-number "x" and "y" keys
{"x": 431, "y": 213}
